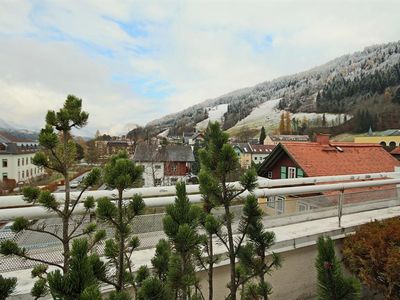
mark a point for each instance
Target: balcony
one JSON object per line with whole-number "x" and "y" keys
{"x": 308, "y": 208}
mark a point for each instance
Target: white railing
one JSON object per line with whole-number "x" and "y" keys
{"x": 14, "y": 206}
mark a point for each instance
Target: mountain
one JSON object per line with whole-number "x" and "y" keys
{"x": 363, "y": 80}
{"x": 18, "y": 132}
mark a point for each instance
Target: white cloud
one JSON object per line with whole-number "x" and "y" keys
{"x": 197, "y": 49}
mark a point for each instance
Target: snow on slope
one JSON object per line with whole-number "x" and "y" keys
{"x": 215, "y": 113}
{"x": 268, "y": 115}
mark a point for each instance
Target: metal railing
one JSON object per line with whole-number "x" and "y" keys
{"x": 283, "y": 202}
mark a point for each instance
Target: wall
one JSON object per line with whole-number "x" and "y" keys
{"x": 149, "y": 167}
{"x": 13, "y": 168}
{"x": 283, "y": 161}
{"x": 297, "y": 279}
{"x": 377, "y": 139}
{"x": 181, "y": 169}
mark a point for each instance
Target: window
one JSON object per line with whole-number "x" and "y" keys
{"x": 283, "y": 172}
{"x": 300, "y": 173}
{"x": 292, "y": 172}
{"x": 5, "y": 176}
{"x": 4, "y": 163}
{"x": 18, "y": 162}
{"x": 23, "y": 161}
{"x": 174, "y": 180}
{"x": 19, "y": 175}
{"x": 280, "y": 207}
{"x": 157, "y": 167}
{"x": 157, "y": 181}
{"x": 174, "y": 167}
{"x": 271, "y": 202}
{"x": 23, "y": 174}
{"x": 269, "y": 174}
{"x": 26, "y": 161}
{"x": 255, "y": 157}
{"x": 303, "y": 207}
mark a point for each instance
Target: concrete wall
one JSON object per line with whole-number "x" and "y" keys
{"x": 297, "y": 279}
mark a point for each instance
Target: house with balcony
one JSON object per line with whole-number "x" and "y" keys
{"x": 164, "y": 165}
{"x": 323, "y": 158}
{"x": 16, "y": 155}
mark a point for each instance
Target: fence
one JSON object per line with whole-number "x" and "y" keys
{"x": 149, "y": 228}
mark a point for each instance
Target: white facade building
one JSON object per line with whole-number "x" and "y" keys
{"x": 16, "y": 159}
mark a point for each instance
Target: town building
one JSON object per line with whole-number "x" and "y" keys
{"x": 388, "y": 138}
{"x": 108, "y": 148}
{"x": 252, "y": 153}
{"x": 164, "y": 165}
{"x": 16, "y": 155}
{"x": 321, "y": 158}
{"x": 276, "y": 139}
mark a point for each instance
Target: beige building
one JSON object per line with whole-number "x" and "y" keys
{"x": 276, "y": 139}
{"x": 388, "y": 138}
{"x": 252, "y": 153}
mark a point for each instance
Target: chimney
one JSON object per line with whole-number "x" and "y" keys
{"x": 322, "y": 139}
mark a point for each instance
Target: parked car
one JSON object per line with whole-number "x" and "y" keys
{"x": 74, "y": 184}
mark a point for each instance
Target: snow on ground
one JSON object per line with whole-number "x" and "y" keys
{"x": 267, "y": 115}
{"x": 264, "y": 114}
{"x": 214, "y": 114}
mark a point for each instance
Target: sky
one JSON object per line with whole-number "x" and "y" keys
{"x": 134, "y": 61}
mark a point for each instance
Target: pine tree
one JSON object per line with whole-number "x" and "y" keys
{"x": 180, "y": 225}
{"x": 80, "y": 280}
{"x": 218, "y": 161}
{"x": 58, "y": 154}
{"x": 120, "y": 173}
{"x": 7, "y": 287}
{"x": 332, "y": 284}
{"x": 253, "y": 260}
{"x": 262, "y": 136}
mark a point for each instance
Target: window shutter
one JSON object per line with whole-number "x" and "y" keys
{"x": 300, "y": 173}
{"x": 283, "y": 172}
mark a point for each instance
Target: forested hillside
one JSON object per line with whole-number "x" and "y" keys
{"x": 362, "y": 83}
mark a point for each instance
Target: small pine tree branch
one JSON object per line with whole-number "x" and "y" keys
{"x": 46, "y": 232}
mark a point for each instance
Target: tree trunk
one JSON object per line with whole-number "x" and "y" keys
{"x": 210, "y": 268}
{"x": 232, "y": 285}
{"x": 65, "y": 218}
{"x": 121, "y": 244}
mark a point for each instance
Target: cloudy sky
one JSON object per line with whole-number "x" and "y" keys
{"x": 134, "y": 61}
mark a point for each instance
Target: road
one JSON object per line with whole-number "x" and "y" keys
{"x": 76, "y": 180}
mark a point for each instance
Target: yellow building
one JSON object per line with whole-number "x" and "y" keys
{"x": 391, "y": 141}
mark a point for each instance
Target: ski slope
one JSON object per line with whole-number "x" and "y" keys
{"x": 215, "y": 113}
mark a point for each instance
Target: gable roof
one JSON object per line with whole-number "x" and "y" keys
{"x": 289, "y": 138}
{"x": 152, "y": 153}
{"x": 333, "y": 159}
{"x": 261, "y": 149}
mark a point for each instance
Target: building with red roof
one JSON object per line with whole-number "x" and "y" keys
{"x": 325, "y": 158}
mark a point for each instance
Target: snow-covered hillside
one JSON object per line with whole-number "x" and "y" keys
{"x": 268, "y": 115}
{"x": 349, "y": 79}
{"x": 215, "y": 113}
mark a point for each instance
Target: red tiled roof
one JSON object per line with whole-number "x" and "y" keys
{"x": 395, "y": 151}
{"x": 340, "y": 158}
